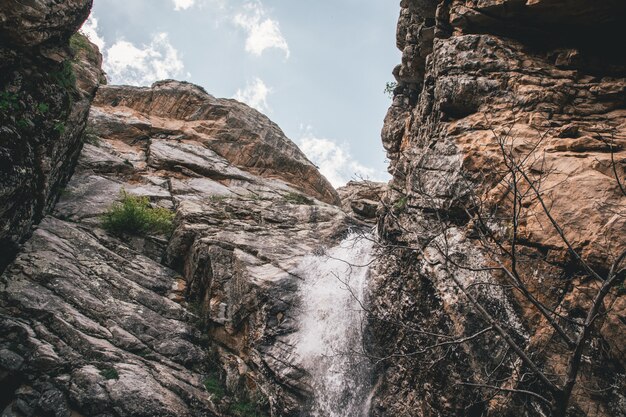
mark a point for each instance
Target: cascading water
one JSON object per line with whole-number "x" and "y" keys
{"x": 331, "y": 322}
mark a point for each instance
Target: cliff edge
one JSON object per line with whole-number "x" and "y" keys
{"x": 506, "y": 138}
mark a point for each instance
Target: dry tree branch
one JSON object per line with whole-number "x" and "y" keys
{"x": 509, "y": 390}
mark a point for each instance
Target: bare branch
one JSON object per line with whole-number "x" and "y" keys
{"x": 510, "y": 390}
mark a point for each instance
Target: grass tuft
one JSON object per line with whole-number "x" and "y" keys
{"x": 79, "y": 42}
{"x": 214, "y": 387}
{"x": 109, "y": 373}
{"x": 401, "y": 203}
{"x": 296, "y": 198}
{"x": 133, "y": 215}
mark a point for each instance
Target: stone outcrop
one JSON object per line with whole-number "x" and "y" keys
{"x": 543, "y": 82}
{"x": 362, "y": 199}
{"x": 197, "y": 323}
{"x": 246, "y": 138}
{"x": 46, "y": 87}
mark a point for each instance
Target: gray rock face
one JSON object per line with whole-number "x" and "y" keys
{"x": 134, "y": 326}
{"x": 475, "y": 74}
{"x": 362, "y": 199}
{"x": 45, "y": 91}
{"x": 88, "y": 326}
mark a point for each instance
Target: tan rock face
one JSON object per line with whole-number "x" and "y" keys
{"x": 540, "y": 79}
{"x": 233, "y": 130}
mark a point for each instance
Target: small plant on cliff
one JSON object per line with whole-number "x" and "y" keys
{"x": 390, "y": 87}
{"x": 59, "y": 127}
{"x": 43, "y": 108}
{"x": 134, "y": 215}
{"x": 109, "y": 373}
{"x": 90, "y": 136}
{"x": 245, "y": 409}
{"x": 217, "y": 198}
{"x": 214, "y": 387}
{"x": 65, "y": 77}
{"x": 296, "y": 198}
{"x": 8, "y": 101}
{"x": 79, "y": 42}
{"x": 400, "y": 205}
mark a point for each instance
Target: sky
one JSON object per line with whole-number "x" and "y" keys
{"x": 318, "y": 69}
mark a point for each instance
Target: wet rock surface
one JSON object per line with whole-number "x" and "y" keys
{"x": 473, "y": 77}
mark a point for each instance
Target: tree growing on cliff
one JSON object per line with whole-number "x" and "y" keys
{"x": 506, "y": 265}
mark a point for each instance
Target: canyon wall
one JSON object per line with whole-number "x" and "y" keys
{"x": 196, "y": 317}
{"x": 196, "y": 320}
{"x": 46, "y": 85}
{"x": 506, "y": 143}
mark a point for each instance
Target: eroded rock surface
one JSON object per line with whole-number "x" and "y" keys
{"x": 46, "y": 88}
{"x": 362, "y": 199}
{"x": 197, "y": 323}
{"x": 543, "y": 80}
{"x": 243, "y": 136}
{"x": 86, "y": 321}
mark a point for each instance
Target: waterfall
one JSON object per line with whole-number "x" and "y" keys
{"x": 331, "y": 320}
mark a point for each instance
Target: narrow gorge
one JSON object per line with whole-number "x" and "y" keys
{"x": 164, "y": 252}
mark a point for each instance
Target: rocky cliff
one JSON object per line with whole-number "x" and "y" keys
{"x": 46, "y": 86}
{"x": 506, "y": 139}
{"x": 362, "y": 199}
{"x": 195, "y": 320}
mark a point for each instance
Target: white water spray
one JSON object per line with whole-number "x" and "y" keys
{"x": 331, "y": 322}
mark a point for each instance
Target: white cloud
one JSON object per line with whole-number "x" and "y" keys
{"x": 125, "y": 63}
{"x": 333, "y": 160}
{"x": 254, "y": 95}
{"x": 183, "y": 4}
{"x": 90, "y": 30}
{"x": 263, "y": 32}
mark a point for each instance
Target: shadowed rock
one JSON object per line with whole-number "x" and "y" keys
{"x": 46, "y": 88}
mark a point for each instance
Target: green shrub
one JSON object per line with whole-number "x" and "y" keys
{"x": 244, "y": 409}
{"x": 214, "y": 387}
{"x": 59, "y": 127}
{"x": 43, "y": 108}
{"x": 24, "y": 124}
{"x": 247, "y": 408}
{"x": 217, "y": 198}
{"x": 8, "y": 101}
{"x": 400, "y": 205}
{"x": 109, "y": 373}
{"x": 296, "y": 198}
{"x": 90, "y": 136}
{"x": 79, "y": 42}
{"x": 134, "y": 215}
{"x": 390, "y": 87}
{"x": 65, "y": 77}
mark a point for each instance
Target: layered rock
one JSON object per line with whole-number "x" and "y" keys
{"x": 197, "y": 323}
{"x": 479, "y": 80}
{"x": 45, "y": 91}
{"x": 362, "y": 199}
{"x": 247, "y": 139}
